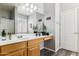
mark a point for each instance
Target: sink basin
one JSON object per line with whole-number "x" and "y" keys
{"x": 19, "y": 36}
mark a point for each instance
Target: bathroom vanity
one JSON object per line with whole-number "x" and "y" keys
{"x": 29, "y": 46}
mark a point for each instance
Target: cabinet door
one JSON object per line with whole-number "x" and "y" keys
{"x": 34, "y": 51}
{"x": 17, "y": 53}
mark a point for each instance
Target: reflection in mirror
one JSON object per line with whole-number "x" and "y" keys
{"x": 34, "y": 19}
{"x": 17, "y": 19}
{"x": 7, "y": 19}
{"x": 40, "y": 23}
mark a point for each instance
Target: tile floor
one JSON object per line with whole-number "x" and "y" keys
{"x": 61, "y": 52}
{"x": 45, "y": 52}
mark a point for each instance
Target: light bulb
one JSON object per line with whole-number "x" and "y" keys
{"x": 23, "y": 7}
{"x": 27, "y": 9}
{"x": 31, "y": 5}
{"x": 27, "y": 4}
{"x": 31, "y": 10}
{"x": 35, "y": 8}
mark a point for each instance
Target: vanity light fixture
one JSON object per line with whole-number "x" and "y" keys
{"x": 28, "y": 7}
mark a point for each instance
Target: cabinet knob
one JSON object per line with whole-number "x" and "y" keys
{"x": 32, "y": 49}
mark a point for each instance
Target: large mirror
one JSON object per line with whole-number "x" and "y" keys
{"x": 18, "y": 18}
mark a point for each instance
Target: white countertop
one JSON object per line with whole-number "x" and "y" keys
{"x": 15, "y": 39}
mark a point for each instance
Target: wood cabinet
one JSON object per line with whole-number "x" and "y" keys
{"x": 16, "y": 49}
{"x": 26, "y": 48}
{"x": 17, "y": 53}
{"x": 34, "y": 41}
{"x": 34, "y": 47}
{"x": 34, "y": 50}
{"x": 48, "y": 38}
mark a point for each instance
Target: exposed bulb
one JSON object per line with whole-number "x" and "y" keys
{"x": 31, "y": 5}
{"x": 35, "y": 7}
{"x": 31, "y": 10}
{"x": 27, "y": 4}
{"x": 27, "y": 9}
{"x": 23, "y": 7}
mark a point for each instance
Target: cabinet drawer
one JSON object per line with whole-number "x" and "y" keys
{"x": 12, "y": 47}
{"x": 35, "y": 41}
{"x": 17, "y": 53}
{"x": 48, "y": 38}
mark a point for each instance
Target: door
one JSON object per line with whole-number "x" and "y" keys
{"x": 68, "y": 30}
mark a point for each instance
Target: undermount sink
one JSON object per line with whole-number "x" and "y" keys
{"x": 19, "y": 36}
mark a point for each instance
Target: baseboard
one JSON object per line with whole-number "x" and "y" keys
{"x": 41, "y": 48}
{"x": 49, "y": 49}
{"x": 58, "y": 49}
